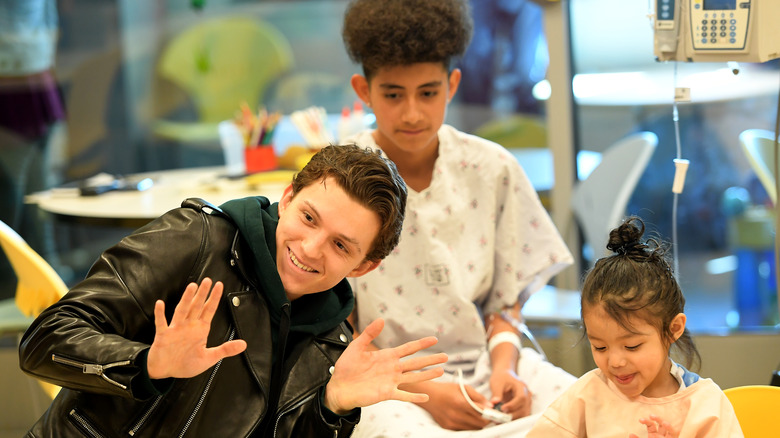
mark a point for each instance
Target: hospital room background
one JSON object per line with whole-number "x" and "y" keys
{"x": 567, "y": 78}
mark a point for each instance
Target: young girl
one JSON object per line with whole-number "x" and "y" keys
{"x": 632, "y": 311}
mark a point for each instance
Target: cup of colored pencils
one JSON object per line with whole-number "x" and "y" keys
{"x": 257, "y": 130}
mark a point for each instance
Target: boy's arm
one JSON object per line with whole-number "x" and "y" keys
{"x": 504, "y": 346}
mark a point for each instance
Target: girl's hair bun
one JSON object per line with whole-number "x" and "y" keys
{"x": 626, "y": 239}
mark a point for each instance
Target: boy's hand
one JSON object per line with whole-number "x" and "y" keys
{"x": 364, "y": 376}
{"x": 511, "y": 392}
{"x": 179, "y": 349}
{"x": 657, "y": 428}
{"x": 450, "y": 409}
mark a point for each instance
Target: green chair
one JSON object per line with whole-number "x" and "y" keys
{"x": 515, "y": 131}
{"x": 219, "y": 64}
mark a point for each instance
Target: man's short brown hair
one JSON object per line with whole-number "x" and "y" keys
{"x": 369, "y": 178}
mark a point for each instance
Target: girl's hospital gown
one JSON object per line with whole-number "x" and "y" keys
{"x": 473, "y": 242}
{"x": 594, "y": 406}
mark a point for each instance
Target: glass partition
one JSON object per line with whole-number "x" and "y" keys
{"x": 724, "y": 217}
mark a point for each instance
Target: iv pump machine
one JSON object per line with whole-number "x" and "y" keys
{"x": 717, "y": 30}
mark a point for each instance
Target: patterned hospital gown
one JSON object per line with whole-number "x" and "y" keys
{"x": 698, "y": 409}
{"x": 474, "y": 241}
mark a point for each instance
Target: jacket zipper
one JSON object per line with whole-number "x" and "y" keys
{"x": 205, "y": 391}
{"x": 282, "y": 414}
{"x": 92, "y": 368}
{"x": 84, "y": 424}
{"x": 276, "y": 383}
{"x": 145, "y": 416}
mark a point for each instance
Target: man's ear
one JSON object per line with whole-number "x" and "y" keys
{"x": 677, "y": 326}
{"x": 360, "y": 85}
{"x": 287, "y": 196}
{"x": 454, "y": 82}
{"x": 363, "y": 268}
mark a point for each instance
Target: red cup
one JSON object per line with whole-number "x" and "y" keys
{"x": 259, "y": 159}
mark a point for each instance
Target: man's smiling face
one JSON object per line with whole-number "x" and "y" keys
{"x": 323, "y": 236}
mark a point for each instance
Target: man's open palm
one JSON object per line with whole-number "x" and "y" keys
{"x": 179, "y": 348}
{"x": 364, "y": 376}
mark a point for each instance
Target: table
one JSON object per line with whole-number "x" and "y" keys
{"x": 552, "y": 305}
{"x": 136, "y": 208}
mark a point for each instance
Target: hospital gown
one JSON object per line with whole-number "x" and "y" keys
{"x": 473, "y": 242}
{"x": 595, "y": 407}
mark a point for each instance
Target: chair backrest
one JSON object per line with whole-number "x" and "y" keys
{"x": 759, "y": 147}
{"x": 223, "y": 62}
{"x": 599, "y": 202}
{"x": 756, "y": 407}
{"x": 38, "y": 284}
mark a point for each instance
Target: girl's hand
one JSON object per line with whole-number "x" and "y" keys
{"x": 657, "y": 428}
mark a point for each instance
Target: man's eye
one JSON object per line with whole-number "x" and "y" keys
{"x": 308, "y": 217}
{"x": 341, "y": 246}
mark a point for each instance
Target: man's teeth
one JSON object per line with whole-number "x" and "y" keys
{"x": 299, "y": 264}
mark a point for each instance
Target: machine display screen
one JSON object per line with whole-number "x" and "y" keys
{"x": 720, "y": 4}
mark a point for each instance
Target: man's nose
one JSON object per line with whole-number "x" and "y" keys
{"x": 313, "y": 243}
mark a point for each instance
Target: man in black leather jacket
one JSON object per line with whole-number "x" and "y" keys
{"x": 256, "y": 345}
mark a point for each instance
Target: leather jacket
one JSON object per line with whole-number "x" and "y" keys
{"x": 94, "y": 343}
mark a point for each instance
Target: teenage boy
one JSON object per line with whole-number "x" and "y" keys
{"x": 476, "y": 240}
{"x": 257, "y": 344}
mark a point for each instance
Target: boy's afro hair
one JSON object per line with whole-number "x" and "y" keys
{"x": 388, "y": 33}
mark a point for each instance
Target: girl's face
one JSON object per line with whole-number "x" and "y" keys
{"x": 637, "y": 363}
{"x": 410, "y": 104}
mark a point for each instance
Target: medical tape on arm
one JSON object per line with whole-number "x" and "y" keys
{"x": 504, "y": 337}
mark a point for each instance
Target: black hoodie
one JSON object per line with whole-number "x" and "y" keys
{"x": 257, "y": 219}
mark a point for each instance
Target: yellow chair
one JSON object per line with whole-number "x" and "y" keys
{"x": 38, "y": 286}
{"x": 219, "y": 64}
{"x": 756, "y": 407}
{"x": 759, "y": 147}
